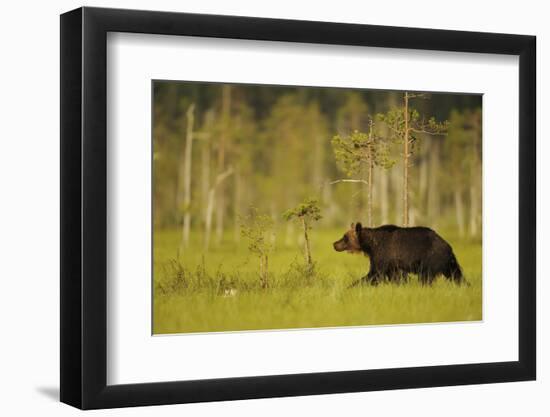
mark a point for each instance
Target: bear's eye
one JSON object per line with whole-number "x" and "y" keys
{"x": 346, "y": 238}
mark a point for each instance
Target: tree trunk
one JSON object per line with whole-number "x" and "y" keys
{"x": 371, "y": 168}
{"x": 459, "y": 210}
{"x": 406, "y": 163}
{"x": 187, "y": 177}
{"x": 355, "y": 211}
{"x": 208, "y": 218}
{"x": 384, "y": 195}
{"x": 206, "y": 156}
{"x": 475, "y": 186}
{"x": 474, "y": 207}
{"x": 205, "y": 173}
{"x": 210, "y": 207}
{"x": 237, "y": 206}
{"x": 306, "y": 241}
{"x": 433, "y": 186}
{"x": 223, "y": 145}
{"x": 397, "y": 195}
{"x": 369, "y": 177}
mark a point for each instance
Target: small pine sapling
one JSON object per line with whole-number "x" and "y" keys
{"x": 305, "y": 213}
{"x": 259, "y": 230}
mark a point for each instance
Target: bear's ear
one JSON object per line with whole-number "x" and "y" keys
{"x": 358, "y": 228}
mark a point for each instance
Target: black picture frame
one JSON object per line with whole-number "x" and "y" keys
{"x": 84, "y": 207}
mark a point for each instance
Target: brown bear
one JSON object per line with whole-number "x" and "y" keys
{"x": 395, "y": 251}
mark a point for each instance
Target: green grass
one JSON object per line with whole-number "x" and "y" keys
{"x": 220, "y": 290}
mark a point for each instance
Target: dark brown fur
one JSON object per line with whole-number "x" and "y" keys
{"x": 395, "y": 252}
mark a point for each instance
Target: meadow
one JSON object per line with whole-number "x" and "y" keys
{"x": 220, "y": 290}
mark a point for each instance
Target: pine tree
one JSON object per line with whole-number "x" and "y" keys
{"x": 406, "y": 127}
{"x": 359, "y": 152}
{"x": 306, "y": 213}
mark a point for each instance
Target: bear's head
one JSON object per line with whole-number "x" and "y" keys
{"x": 350, "y": 240}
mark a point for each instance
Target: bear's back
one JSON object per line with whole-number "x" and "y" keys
{"x": 390, "y": 237}
{"x": 388, "y": 228}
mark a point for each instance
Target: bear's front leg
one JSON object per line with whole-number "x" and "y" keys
{"x": 372, "y": 278}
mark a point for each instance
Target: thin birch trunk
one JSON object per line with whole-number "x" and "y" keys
{"x": 406, "y": 156}
{"x": 355, "y": 124}
{"x": 237, "y": 206}
{"x": 459, "y": 210}
{"x": 369, "y": 176}
{"x": 187, "y": 171}
{"x": 206, "y": 156}
{"x": 369, "y": 202}
{"x": 223, "y": 145}
{"x": 384, "y": 195}
{"x": 474, "y": 207}
{"x": 475, "y": 185}
{"x": 433, "y": 186}
{"x": 205, "y": 173}
{"x": 210, "y": 207}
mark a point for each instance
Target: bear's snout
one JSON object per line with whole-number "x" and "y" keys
{"x": 339, "y": 245}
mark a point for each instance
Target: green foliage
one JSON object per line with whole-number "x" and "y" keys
{"x": 395, "y": 121}
{"x": 437, "y": 127}
{"x": 355, "y": 150}
{"x": 350, "y": 151}
{"x": 308, "y": 210}
{"x": 258, "y": 229}
{"x": 417, "y": 125}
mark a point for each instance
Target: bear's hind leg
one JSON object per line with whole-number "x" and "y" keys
{"x": 456, "y": 276}
{"x": 453, "y": 272}
{"x": 426, "y": 278}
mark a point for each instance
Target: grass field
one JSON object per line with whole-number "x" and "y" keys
{"x": 220, "y": 290}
